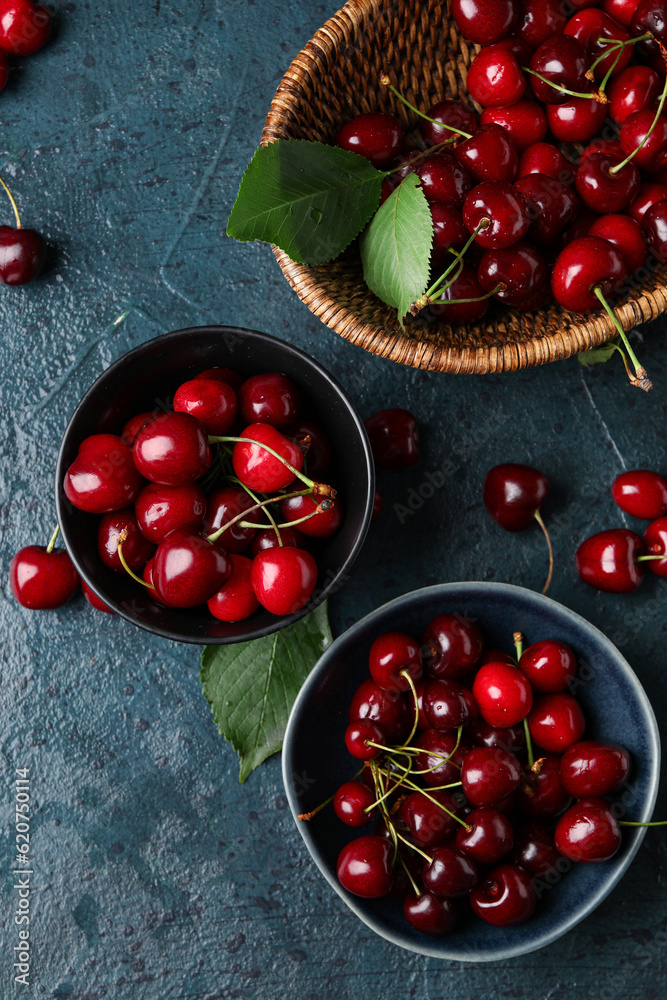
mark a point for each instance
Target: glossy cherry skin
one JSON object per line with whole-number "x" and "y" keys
{"x": 635, "y": 134}
{"x": 490, "y": 155}
{"x": 351, "y": 802}
{"x": 534, "y": 848}
{"x": 213, "y": 403}
{"x": 388, "y": 709}
{"x": 489, "y": 837}
{"x": 394, "y": 437}
{"x": 578, "y": 120}
{"x": 495, "y": 78}
{"x": 24, "y": 26}
{"x": 360, "y": 737}
{"x": 42, "y": 580}
{"x": 556, "y": 722}
{"x": 270, "y": 398}
{"x": 429, "y": 914}
{"x": 321, "y": 525}
{"x": 485, "y": 21}
{"x": 545, "y": 158}
{"x": 512, "y": 493}
{"x": 602, "y": 190}
{"x": 465, "y": 286}
{"x": 521, "y": 269}
{"x": 448, "y": 231}
{"x": 626, "y": 235}
{"x": 552, "y": 206}
{"x": 172, "y": 449}
{"x": 439, "y": 758}
{"x": 224, "y": 504}
{"x": 634, "y": 90}
{"x": 235, "y": 601}
{"x": 256, "y": 467}
{"x": 188, "y": 570}
{"x": 503, "y": 208}
{"x": 453, "y": 113}
{"x": 541, "y": 793}
{"x": 429, "y": 824}
{"x": 654, "y": 228}
{"x": 588, "y": 27}
{"x": 503, "y": 694}
{"x": 594, "y": 768}
{"x": 102, "y": 477}
{"x": 587, "y": 263}
{"x": 376, "y": 136}
{"x": 133, "y": 426}
{"x": 445, "y": 706}
{"x": 267, "y": 539}
{"x": 451, "y": 645}
{"x": 161, "y": 509}
{"x": 283, "y": 579}
{"x": 510, "y": 738}
{"x": 562, "y": 60}
{"x": 525, "y": 122}
{"x": 539, "y": 20}
{"x": 152, "y": 592}
{"x": 489, "y": 775}
{"x": 317, "y": 453}
{"x": 444, "y": 179}
{"x": 650, "y": 15}
{"x": 588, "y": 831}
{"x": 655, "y": 541}
{"x": 608, "y": 561}
{"x": 505, "y": 897}
{"x": 622, "y": 11}
{"x": 94, "y": 600}
{"x": 22, "y": 255}
{"x": 450, "y": 873}
{"x": 137, "y": 550}
{"x": 650, "y": 194}
{"x": 364, "y": 867}
{"x": 390, "y": 655}
{"x": 641, "y": 493}
{"x": 549, "y": 665}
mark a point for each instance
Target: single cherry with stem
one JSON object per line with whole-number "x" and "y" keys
{"x": 42, "y": 577}
{"x": 641, "y": 493}
{"x": 513, "y": 495}
{"x": 22, "y": 251}
{"x": 24, "y": 26}
{"x": 613, "y": 561}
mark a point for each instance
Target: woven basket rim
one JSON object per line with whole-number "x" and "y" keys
{"x": 402, "y": 347}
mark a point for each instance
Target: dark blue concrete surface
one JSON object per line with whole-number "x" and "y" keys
{"x": 155, "y": 874}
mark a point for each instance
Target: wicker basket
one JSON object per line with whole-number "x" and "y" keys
{"x": 335, "y": 77}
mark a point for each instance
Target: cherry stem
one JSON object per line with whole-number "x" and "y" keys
{"x": 321, "y": 489}
{"x": 258, "y": 506}
{"x": 598, "y": 96}
{"x": 480, "y": 298}
{"x": 267, "y": 511}
{"x": 389, "y": 791}
{"x": 386, "y": 82}
{"x": 458, "y": 259}
{"x": 419, "y": 156}
{"x": 408, "y": 677}
{"x": 313, "y": 812}
{"x": 415, "y": 887}
{"x": 439, "y": 805}
{"x": 517, "y": 638}
{"x": 123, "y": 538}
{"x": 648, "y": 558}
{"x": 642, "y": 381}
{"x": 627, "y": 822}
{"x": 538, "y": 518}
{"x": 413, "y": 846}
{"x": 14, "y": 206}
{"x": 321, "y": 507}
{"x": 529, "y": 742}
{"x": 52, "y": 541}
{"x": 624, "y": 163}
{"x": 613, "y": 43}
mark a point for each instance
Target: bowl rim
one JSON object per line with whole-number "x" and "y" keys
{"x": 441, "y": 950}
{"x": 332, "y": 583}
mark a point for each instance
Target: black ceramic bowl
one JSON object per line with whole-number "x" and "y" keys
{"x": 146, "y": 378}
{"x": 315, "y": 761}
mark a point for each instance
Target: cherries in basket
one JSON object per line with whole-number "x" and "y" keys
{"x": 477, "y": 779}
{"x": 220, "y": 500}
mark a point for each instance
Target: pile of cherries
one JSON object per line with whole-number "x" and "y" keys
{"x": 519, "y": 213}
{"x": 471, "y": 761}
{"x": 614, "y": 560}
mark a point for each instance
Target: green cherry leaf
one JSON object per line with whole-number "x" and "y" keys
{"x": 309, "y": 199}
{"x": 396, "y": 247}
{"x": 598, "y": 355}
{"x": 251, "y": 686}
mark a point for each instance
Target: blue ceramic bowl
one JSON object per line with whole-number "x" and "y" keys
{"x": 315, "y": 761}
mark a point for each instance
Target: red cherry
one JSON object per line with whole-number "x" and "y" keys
{"x": 440, "y": 757}
{"x": 511, "y": 738}
{"x": 641, "y": 493}
{"x": 556, "y": 721}
{"x": 268, "y": 539}
{"x": 446, "y": 706}
{"x": 42, "y": 580}
{"x": 488, "y": 837}
{"x": 451, "y": 646}
{"x": 635, "y": 136}
{"x": 520, "y": 268}
{"x": 94, "y": 600}
{"x": 394, "y": 437}
{"x": 649, "y": 194}
{"x": 588, "y": 831}
{"x": 448, "y": 231}
{"x": 588, "y": 27}
{"x": 650, "y": 16}
{"x": 534, "y": 848}
{"x": 283, "y": 579}
{"x": 585, "y": 264}
{"x": 137, "y": 550}
{"x": 539, "y": 20}
{"x": 603, "y": 190}
{"x": 513, "y": 493}
{"x": 449, "y": 873}
{"x": 561, "y": 60}
{"x": 489, "y": 775}
{"x": 635, "y": 89}
{"x": 594, "y": 768}
{"x": 622, "y": 11}
{"x": 453, "y": 113}
{"x": 317, "y": 453}
{"x": 505, "y": 897}
{"x": 503, "y": 694}
{"x": 188, "y": 569}
{"x": 495, "y": 78}
{"x": 257, "y": 468}
{"x": 270, "y": 398}
{"x": 376, "y": 136}
{"x": 503, "y": 208}
{"x": 360, "y": 737}
{"x": 321, "y": 525}
{"x": 148, "y": 578}
{"x": 224, "y": 504}
{"x": 24, "y": 26}
{"x": 654, "y": 228}
{"x": 608, "y": 561}
{"x": 465, "y": 286}
{"x": 544, "y": 158}
{"x": 598, "y": 145}
{"x": 161, "y": 509}
{"x": 552, "y": 206}
{"x": 626, "y": 235}
{"x": 443, "y": 179}
{"x": 389, "y": 709}
{"x": 430, "y": 822}
{"x": 390, "y": 655}
{"x": 549, "y": 665}
{"x": 22, "y": 255}
{"x": 429, "y": 914}
{"x": 364, "y": 867}
{"x": 655, "y": 540}
{"x": 576, "y": 121}
{"x": 352, "y": 803}
{"x": 490, "y": 155}
{"x": 133, "y": 426}
{"x": 214, "y": 403}
{"x": 525, "y": 122}
{"x": 235, "y": 601}
{"x": 102, "y": 477}
{"x": 485, "y": 21}
{"x": 541, "y": 793}
{"x": 172, "y": 449}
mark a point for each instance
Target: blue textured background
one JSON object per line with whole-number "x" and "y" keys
{"x": 156, "y": 874}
